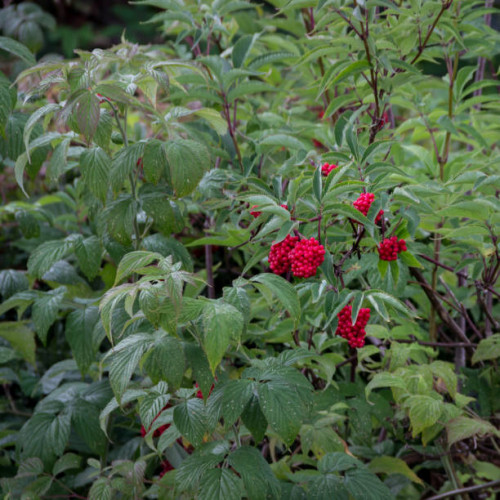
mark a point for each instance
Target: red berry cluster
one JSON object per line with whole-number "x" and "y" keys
{"x": 279, "y": 255}
{"x": 354, "y": 334}
{"x": 390, "y": 247}
{"x": 363, "y": 204}
{"x": 326, "y": 168}
{"x": 306, "y": 257}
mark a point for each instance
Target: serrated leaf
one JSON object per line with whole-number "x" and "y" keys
{"x": 18, "y": 49}
{"x": 384, "y": 379}
{"x": 424, "y": 411}
{"x": 87, "y": 114}
{"x": 190, "y": 419}
{"x": 282, "y": 290}
{"x": 20, "y": 337}
{"x": 46, "y": 310}
{"x": 187, "y": 161}
{"x": 256, "y": 473}
{"x": 463, "y": 427}
{"x": 95, "y": 165}
{"x": 66, "y": 462}
{"x": 222, "y": 323}
{"x": 166, "y": 361}
{"x": 393, "y": 465}
{"x": 12, "y": 282}
{"x": 488, "y": 348}
{"x": 46, "y": 255}
{"x": 363, "y": 485}
{"x": 282, "y": 408}
{"x": 125, "y": 358}
{"x": 219, "y": 484}
{"x": 79, "y": 327}
{"x": 45, "y": 435}
{"x": 88, "y": 254}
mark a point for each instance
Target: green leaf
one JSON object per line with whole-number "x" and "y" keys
{"x": 133, "y": 262}
{"x": 87, "y": 114}
{"x": 79, "y": 327}
{"x": 46, "y": 310}
{"x": 6, "y": 106}
{"x": 20, "y": 337}
{"x": 424, "y": 411}
{"x": 282, "y": 290}
{"x": 363, "y": 485}
{"x": 150, "y": 406}
{"x": 219, "y": 484}
{"x": 270, "y": 57}
{"x": 317, "y": 184}
{"x": 463, "y": 427}
{"x": 101, "y": 489}
{"x": 488, "y": 348}
{"x": 254, "y": 420}
{"x": 154, "y": 161}
{"x": 409, "y": 259}
{"x": 119, "y": 216}
{"x": 188, "y": 161}
{"x": 125, "y": 358}
{"x": 384, "y": 379}
{"x": 95, "y": 165}
{"x": 11, "y": 282}
{"x": 326, "y": 487}
{"x": 124, "y": 164}
{"x": 46, "y": 255}
{"x": 237, "y": 394}
{"x": 258, "y": 478}
{"x": 337, "y": 462}
{"x": 222, "y": 323}
{"x": 190, "y": 419}
{"x": 85, "y": 420}
{"x": 282, "y": 408}
{"x": 45, "y": 435}
{"x": 33, "y": 120}
{"x": 66, "y": 462}
{"x": 166, "y": 361}
{"x": 207, "y": 457}
{"x": 242, "y": 48}
{"x": 393, "y": 465}
{"x": 30, "y": 467}
{"x": 88, "y": 254}
{"x": 17, "y": 49}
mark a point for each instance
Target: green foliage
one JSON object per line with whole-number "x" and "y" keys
{"x": 147, "y": 349}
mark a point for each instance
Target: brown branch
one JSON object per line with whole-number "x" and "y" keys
{"x": 468, "y": 489}
{"x": 434, "y": 300}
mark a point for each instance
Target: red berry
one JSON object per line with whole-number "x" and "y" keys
{"x": 363, "y": 204}
{"x": 326, "y": 168}
{"x": 318, "y": 144}
{"x": 385, "y": 119}
{"x": 139, "y": 162}
{"x": 354, "y": 334}
{"x": 279, "y": 255}
{"x": 390, "y": 247}
{"x": 306, "y": 257}
{"x": 255, "y": 213}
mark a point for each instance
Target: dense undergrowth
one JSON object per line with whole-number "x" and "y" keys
{"x": 259, "y": 260}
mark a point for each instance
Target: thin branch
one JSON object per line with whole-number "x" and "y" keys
{"x": 468, "y": 489}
